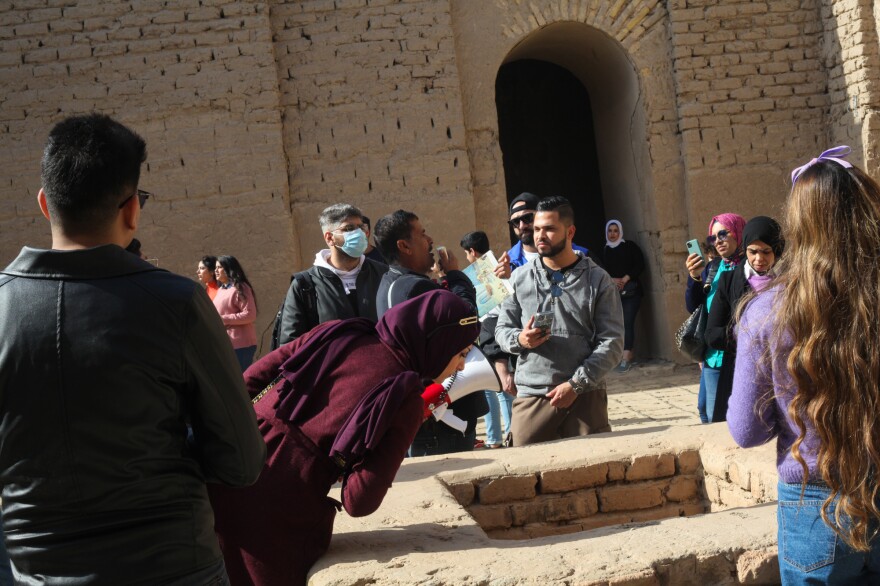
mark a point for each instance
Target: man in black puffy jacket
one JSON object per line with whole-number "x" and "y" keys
{"x": 105, "y": 360}
{"x": 341, "y": 284}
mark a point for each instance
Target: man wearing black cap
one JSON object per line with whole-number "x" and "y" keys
{"x": 522, "y": 216}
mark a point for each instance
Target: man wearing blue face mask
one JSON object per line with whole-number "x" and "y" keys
{"x": 342, "y": 283}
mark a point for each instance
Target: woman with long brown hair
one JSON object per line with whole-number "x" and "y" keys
{"x": 808, "y": 373}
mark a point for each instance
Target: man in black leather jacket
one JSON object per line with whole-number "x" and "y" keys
{"x": 104, "y": 362}
{"x": 342, "y": 283}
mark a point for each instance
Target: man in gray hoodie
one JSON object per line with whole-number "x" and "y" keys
{"x": 577, "y": 340}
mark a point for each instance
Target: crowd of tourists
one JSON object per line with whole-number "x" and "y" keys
{"x": 141, "y": 443}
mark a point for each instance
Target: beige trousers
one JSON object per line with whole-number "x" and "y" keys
{"x": 535, "y": 420}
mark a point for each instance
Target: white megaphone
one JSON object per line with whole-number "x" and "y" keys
{"x": 478, "y": 375}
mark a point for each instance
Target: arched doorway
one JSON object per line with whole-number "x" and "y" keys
{"x": 592, "y": 102}
{"x": 547, "y": 138}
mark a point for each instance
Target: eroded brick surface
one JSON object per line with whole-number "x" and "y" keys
{"x": 688, "y": 462}
{"x": 463, "y": 492}
{"x": 653, "y": 466}
{"x": 758, "y": 567}
{"x": 684, "y": 488}
{"x": 491, "y": 516}
{"x": 629, "y": 497}
{"x": 573, "y": 478}
{"x": 507, "y": 488}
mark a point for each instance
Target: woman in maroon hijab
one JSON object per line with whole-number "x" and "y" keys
{"x": 342, "y": 401}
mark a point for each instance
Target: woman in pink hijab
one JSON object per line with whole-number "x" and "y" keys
{"x": 725, "y": 235}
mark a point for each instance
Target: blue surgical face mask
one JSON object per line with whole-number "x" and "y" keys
{"x": 355, "y": 243}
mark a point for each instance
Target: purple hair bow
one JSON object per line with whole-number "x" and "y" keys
{"x": 834, "y": 154}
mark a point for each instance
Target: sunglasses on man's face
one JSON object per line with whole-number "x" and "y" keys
{"x": 523, "y": 219}
{"x": 720, "y": 237}
{"x": 141, "y": 195}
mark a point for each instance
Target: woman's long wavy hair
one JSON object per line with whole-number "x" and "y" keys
{"x": 829, "y": 316}
{"x": 235, "y": 273}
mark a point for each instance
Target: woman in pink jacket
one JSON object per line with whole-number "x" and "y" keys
{"x": 237, "y": 305}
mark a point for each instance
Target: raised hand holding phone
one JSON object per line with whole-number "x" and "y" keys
{"x": 531, "y": 337}
{"x": 695, "y": 260}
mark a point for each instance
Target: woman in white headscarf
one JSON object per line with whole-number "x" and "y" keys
{"x": 624, "y": 262}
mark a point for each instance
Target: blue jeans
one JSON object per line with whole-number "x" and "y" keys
{"x": 810, "y": 552}
{"x": 499, "y": 403}
{"x": 245, "y": 356}
{"x": 708, "y": 389}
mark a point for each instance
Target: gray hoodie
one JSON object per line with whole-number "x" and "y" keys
{"x": 586, "y": 338}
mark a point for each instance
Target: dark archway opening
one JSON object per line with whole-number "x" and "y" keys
{"x": 548, "y": 144}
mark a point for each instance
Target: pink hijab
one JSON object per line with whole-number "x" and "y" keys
{"x": 734, "y": 224}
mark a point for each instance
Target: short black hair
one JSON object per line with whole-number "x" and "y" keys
{"x": 89, "y": 165}
{"x": 366, "y": 222}
{"x": 476, "y": 240}
{"x": 391, "y": 228}
{"x": 560, "y": 205}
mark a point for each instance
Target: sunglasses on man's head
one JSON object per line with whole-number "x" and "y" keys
{"x": 525, "y": 218}
{"x": 721, "y": 237}
{"x": 141, "y": 195}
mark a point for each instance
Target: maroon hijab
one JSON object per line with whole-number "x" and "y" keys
{"x": 423, "y": 334}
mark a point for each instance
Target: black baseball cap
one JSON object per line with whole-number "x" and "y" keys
{"x": 530, "y": 199}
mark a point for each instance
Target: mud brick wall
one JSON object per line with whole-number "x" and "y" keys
{"x": 198, "y": 81}
{"x": 370, "y": 97}
{"x": 644, "y": 488}
{"x": 851, "y": 56}
{"x": 751, "y": 100}
{"x": 556, "y": 502}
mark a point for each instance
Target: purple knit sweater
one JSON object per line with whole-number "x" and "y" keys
{"x": 758, "y": 407}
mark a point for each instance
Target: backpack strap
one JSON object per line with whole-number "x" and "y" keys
{"x": 304, "y": 291}
{"x": 309, "y": 296}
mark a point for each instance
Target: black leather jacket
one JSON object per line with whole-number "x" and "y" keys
{"x": 104, "y": 359}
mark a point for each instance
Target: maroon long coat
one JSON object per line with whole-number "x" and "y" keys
{"x": 272, "y": 532}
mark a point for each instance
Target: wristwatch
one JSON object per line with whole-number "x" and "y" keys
{"x": 579, "y": 388}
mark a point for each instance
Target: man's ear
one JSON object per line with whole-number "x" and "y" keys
{"x": 131, "y": 213}
{"x": 404, "y": 248}
{"x": 41, "y": 201}
{"x": 571, "y": 230}
{"x": 329, "y": 240}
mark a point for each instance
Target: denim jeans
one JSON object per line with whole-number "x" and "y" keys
{"x": 810, "y": 552}
{"x": 245, "y": 356}
{"x": 499, "y": 404}
{"x": 708, "y": 389}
